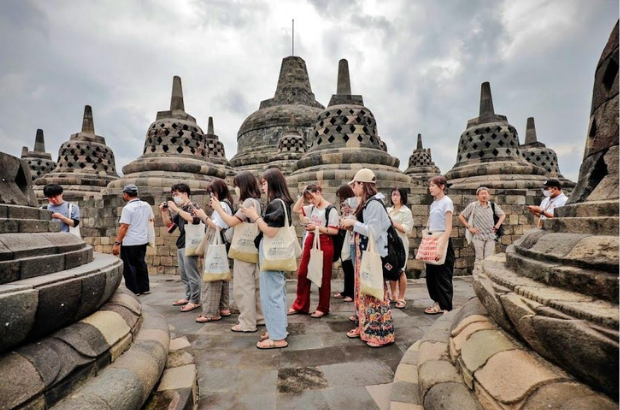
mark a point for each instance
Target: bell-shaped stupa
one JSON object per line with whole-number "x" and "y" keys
{"x": 345, "y": 140}
{"x": 85, "y": 163}
{"x": 291, "y": 147}
{"x": 175, "y": 150}
{"x": 260, "y": 133}
{"x": 421, "y": 165}
{"x": 489, "y": 153}
{"x": 39, "y": 161}
{"x": 538, "y": 154}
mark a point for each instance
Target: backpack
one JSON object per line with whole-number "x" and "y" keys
{"x": 396, "y": 257}
{"x": 500, "y": 231}
{"x": 337, "y": 239}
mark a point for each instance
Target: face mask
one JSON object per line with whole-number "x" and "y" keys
{"x": 178, "y": 200}
{"x": 238, "y": 191}
{"x": 547, "y": 193}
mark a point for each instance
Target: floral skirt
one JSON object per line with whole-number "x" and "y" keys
{"x": 374, "y": 315}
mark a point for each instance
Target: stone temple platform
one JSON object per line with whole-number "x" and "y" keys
{"x": 320, "y": 369}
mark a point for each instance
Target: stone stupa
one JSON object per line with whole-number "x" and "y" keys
{"x": 538, "y": 154}
{"x": 291, "y": 147}
{"x": 261, "y": 132}
{"x": 421, "y": 164}
{"x": 489, "y": 153}
{"x": 344, "y": 141}
{"x": 175, "y": 150}
{"x": 39, "y": 161}
{"x": 85, "y": 163}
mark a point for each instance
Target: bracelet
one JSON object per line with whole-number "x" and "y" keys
{"x": 117, "y": 243}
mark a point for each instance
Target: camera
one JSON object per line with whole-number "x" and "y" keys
{"x": 164, "y": 205}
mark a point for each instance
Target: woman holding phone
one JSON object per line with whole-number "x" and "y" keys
{"x": 272, "y": 283}
{"x": 323, "y": 216}
{"x": 348, "y": 204}
{"x": 246, "y": 275}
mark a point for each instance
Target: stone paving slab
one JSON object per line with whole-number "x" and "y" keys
{"x": 320, "y": 369}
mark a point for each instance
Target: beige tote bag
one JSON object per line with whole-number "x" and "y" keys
{"x": 371, "y": 272}
{"x": 281, "y": 251}
{"x": 194, "y": 234}
{"x": 242, "y": 247}
{"x": 216, "y": 261}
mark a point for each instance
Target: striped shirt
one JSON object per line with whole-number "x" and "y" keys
{"x": 483, "y": 219}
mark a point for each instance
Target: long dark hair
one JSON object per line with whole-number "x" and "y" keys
{"x": 344, "y": 192}
{"x": 370, "y": 190}
{"x": 248, "y": 185}
{"x": 403, "y": 195}
{"x": 219, "y": 188}
{"x": 276, "y": 185}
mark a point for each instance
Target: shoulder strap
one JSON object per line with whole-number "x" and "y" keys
{"x": 286, "y": 223}
{"x": 493, "y": 207}
{"x": 329, "y": 208}
{"x": 70, "y": 209}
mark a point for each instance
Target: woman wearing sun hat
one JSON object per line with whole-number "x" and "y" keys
{"x": 374, "y": 325}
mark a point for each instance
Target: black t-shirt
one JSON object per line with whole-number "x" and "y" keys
{"x": 274, "y": 214}
{"x": 180, "y": 222}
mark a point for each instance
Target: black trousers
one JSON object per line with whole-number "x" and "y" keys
{"x": 439, "y": 280}
{"x": 135, "y": 271}
{"x": 349, "y": 278}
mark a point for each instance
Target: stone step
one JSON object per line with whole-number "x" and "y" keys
{"x": 23, "y": 212}
{"x": 599, "y": 225}
{"x": 8, "y": 225}
{"x": 560, "y": 275}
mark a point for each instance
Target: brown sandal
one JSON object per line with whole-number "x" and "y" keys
{"x": 189, "y": 307}
{"x": 204, "y": 319}
{"x": 353, "y": 333}
{"x": 270, "y": 344}
{"x": 180, "y": 302}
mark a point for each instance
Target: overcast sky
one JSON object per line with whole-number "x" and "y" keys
{"x": 418, "y": 64}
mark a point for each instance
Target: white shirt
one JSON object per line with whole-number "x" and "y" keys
{"x": 317, "y": 216}
{"x": 136, "y": 214}
{"x": 549, "y": 204}
{"x": 437, "y": 217}
{"x": 217, "y": 219}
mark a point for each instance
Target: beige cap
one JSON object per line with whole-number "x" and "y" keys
{"x": 364, "y": 175}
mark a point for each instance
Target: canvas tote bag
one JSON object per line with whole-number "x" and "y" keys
{"x": 468, "y": 235}
{"x": 194, "y": 234}
{"x": 75, "y": 230}
{"x": 345, "y": 254}
{"x": 315, "y": 265}
{"x": 216, "y": 260}
{"x": 150, "y": 234}
{"x": 281, "y": 251}
{"x": 371, "y": 272}
{"x": 427, "y": 252}
{"x": 242, "y": 247}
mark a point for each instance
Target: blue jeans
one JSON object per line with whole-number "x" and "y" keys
{"x": 273, "y": 300}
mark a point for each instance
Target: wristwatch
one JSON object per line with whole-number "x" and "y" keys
{"x": 117, "y": 243}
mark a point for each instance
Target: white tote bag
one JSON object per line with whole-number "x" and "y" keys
{"x": 194, "y": 234}
{"x": 281, "y": 251}
{"x": 468, "y": 235}
{"x": 371, "y": 272}
{"x": 315, "y": 265}
{"x": 75, "y": 230}
{"x": 216, "y": 261}
{"x": 345, "y": 254}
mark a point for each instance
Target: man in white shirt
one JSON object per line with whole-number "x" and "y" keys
{"x": 133, "y": 236}
{"x": 554, "y": 198}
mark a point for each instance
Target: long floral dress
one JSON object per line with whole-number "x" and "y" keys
{"x": 374, "y": 316}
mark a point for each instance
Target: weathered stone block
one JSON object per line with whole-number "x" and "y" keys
{"x": 483, "y": 345}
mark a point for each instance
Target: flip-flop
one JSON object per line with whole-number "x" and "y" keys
{"x": 401, "y": 304}
{"x": 353, "y": 318}
{"x": 180, "y": 302}
{"x": 237, "y": 328}
{"x": 433, "y": 310}
{"x": 292, "y": 312}
{"x": 190, "y": 308}
{"x": 204, "y": 319}
{"x": 225, "y": 314}
{"x": 347, "y": 299}
{"x": 376, "y": 345}
{"x": 270, "y": 344}
{"x": 353, "y": 334}
{"x": 338, "y": 295}
{"x": 318, "y": 314}
{"x": 263, "y": 336}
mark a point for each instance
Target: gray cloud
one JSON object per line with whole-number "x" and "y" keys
{"x": 418, "y": 65}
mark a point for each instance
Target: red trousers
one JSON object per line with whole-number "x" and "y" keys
{"x": 302, "y": 302}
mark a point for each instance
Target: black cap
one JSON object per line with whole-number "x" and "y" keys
{"x": 552, "y": 183}
{"x": 131, "y": 188}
